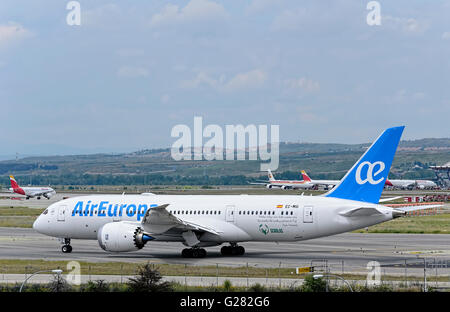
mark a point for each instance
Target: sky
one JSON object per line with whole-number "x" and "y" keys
{"x": 132, "y": 70}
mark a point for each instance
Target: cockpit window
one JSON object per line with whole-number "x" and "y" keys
{"x": 45, "y": 212}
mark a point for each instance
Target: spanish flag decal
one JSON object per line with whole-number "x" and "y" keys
{"x": 279, "y": 206}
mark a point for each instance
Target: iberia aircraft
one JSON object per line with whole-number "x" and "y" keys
{"x": 122, "y": 223}
{"x": 284, "y": 184}
{"x": 46, "y": 192}
{"x": 327, "y": 183}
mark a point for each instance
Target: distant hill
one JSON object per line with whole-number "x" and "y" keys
{"x": 155, "y": 166}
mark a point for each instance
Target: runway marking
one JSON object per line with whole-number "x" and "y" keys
{"x": 429, "y": 252}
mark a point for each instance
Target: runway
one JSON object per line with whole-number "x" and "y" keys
{"x": 13, "y": 200}
{"x": 356, "y": 250}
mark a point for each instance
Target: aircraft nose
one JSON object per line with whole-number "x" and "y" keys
{"x": 37, "y": 225}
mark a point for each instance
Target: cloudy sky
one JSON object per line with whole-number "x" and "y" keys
{"x": 134, "y": 69}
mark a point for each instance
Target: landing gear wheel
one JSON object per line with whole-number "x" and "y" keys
{"x": 66, "y": 249}
{"x": 202, "y": 253}
{"x": 225, "y": 250}
{"x": 233, "y": 250}
{"x": 193, "y": 253}
{"x": 186, "y": 253}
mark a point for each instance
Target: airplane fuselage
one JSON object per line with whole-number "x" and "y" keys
{"x": 292, "y": 184}
{"x": 33, "y": 191}
{"x": 237, "y": 218}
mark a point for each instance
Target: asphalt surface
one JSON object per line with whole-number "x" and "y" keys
{"x": 352, "y": 250}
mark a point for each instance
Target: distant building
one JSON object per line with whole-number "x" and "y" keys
{"x": 442, "y": 174}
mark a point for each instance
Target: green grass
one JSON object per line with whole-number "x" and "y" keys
{"x": 20, "y": 211}
{"x": 123, "y": 268}
{"x": 22, "y": 217}
{"x": 437, "y": 224}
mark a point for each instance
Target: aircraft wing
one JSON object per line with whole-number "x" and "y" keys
{"x": 258, "y": 183}
{"x": 158, "y": 220}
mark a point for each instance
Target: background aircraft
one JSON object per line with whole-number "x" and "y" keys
{"x": 37, "y": 192}
{"x": 410, "y": 184}
{"x": 329, "y": 184}
{"x": 284, "y": 184}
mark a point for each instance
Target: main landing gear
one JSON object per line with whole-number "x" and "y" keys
{"x": 66, "y": 248}
{"x": 232, "y": 250}
{"x": 193, "y": 253}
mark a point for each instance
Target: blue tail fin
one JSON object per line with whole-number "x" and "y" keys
{"x": 366, "y": 179}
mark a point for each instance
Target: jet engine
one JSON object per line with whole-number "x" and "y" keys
{"x": 269, "y": 186}
{"x": 122, "y": 237}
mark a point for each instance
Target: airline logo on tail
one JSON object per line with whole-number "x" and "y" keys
{"x": 270, "y": 175}
{"x": 369, "y": 174}
{"x": 305, "y": 176}
{"x": 14, "y": 184}
{"x": 363, "y": 182}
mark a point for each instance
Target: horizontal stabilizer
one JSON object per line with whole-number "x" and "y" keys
{"x": 360, "y": 212}
{"x": 418, "y": 207}
{"x": 383, "y": 200}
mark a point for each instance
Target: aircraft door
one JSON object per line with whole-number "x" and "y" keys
{"x": 308, "y": 212}
{"x": 229, "y": 213}
{"x": 62, "y": 213}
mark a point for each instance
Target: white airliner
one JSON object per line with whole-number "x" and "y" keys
{"x": 327, "y": 183}
{"x": 124, "y": 223}
{"x": 37, "y": 192}
{"x": 284, "y": 184}
{"x": 405, "y": 184}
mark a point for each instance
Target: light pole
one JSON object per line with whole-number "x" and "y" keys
{"x": 316, "y": 276}
{"x": 42, "y": 271}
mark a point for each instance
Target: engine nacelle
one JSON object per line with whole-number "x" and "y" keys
{"x": 269, "y": 186}
{"x": 122, "y": 237}
{"x": 285, "y": 187}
